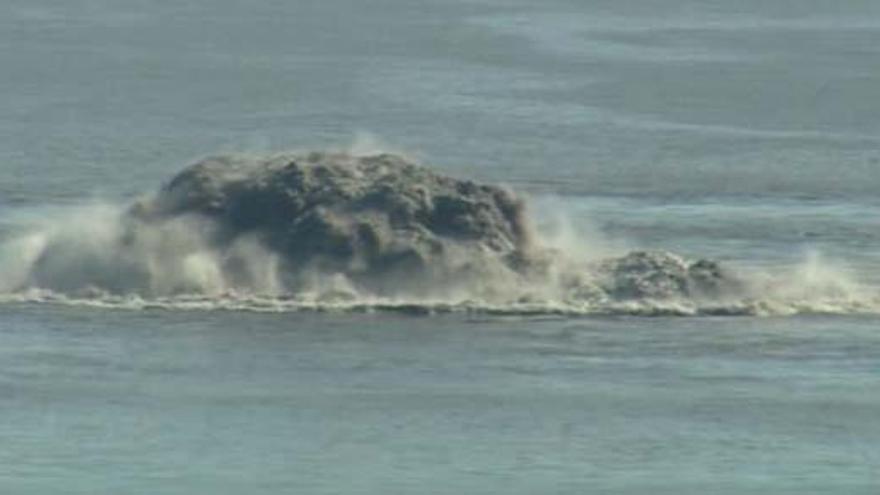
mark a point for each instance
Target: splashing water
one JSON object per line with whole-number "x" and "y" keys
{"x": 365, "y": 232}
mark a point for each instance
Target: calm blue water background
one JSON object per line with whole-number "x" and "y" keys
{"x": 746, "y": 131}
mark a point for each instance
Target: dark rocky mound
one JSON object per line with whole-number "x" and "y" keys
{"x": 663, "y": 275}
{"x": 380, "y": 220}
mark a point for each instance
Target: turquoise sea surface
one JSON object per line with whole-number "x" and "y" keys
{"x": 746, "y": 132}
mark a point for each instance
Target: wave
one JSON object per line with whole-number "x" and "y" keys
{"x": 373, "y": 232}
{"x": 331, "y": 303}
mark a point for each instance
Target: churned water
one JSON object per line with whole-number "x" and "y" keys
{"x": 747, "y": 133}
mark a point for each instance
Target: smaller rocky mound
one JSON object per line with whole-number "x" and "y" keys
{"x": 662, "y": 275}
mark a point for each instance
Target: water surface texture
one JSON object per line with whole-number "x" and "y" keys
{"x": 744, "y": 132}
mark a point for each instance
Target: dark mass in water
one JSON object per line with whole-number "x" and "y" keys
{"x": 378, "y": 226}
{"x": 382, "y": 221}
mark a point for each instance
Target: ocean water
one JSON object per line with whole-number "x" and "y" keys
{"x": 744, "y": 132}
